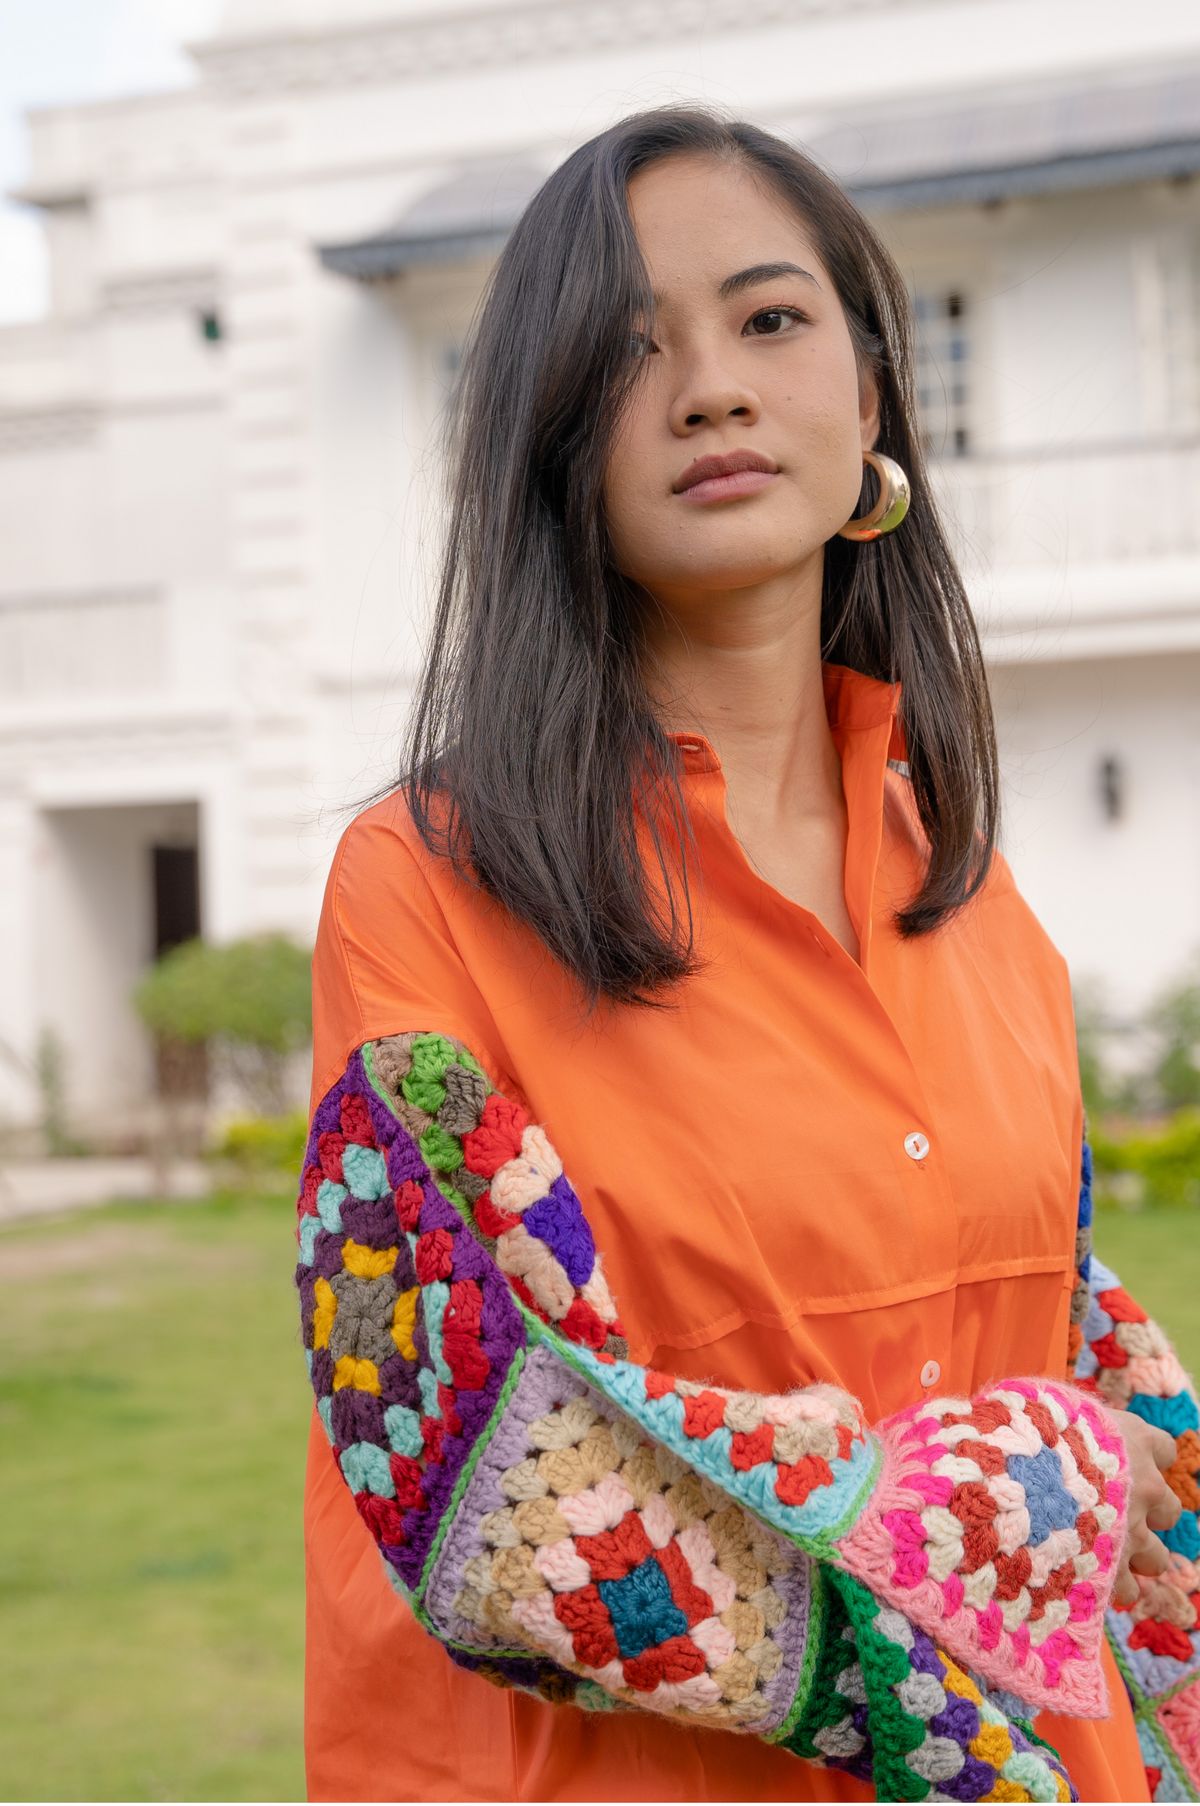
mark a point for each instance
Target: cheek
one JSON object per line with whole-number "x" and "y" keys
{"x": 630, "y": 486}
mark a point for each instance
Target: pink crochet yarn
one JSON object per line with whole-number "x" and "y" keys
{"x": 962, "y": 1481}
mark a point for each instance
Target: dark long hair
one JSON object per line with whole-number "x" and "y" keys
{"x": 535, "y": 759}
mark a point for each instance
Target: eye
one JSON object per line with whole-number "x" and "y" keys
{"x": 772, "y": 322}
{"x": 641, "y": 345}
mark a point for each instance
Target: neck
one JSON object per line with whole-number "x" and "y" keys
{"x": 743, "y": 668}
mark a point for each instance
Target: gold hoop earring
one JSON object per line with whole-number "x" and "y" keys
{"x": 892, "y": 506}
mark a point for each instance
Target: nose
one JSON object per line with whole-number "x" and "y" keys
{"x": 709, "y": 396}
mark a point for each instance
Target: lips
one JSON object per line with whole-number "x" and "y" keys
{"x": 719, "y": 479}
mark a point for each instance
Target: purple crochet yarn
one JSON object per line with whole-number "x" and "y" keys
{"x": 960, "y": 1720}
{"x": 307, "y": 1287}
{"x": 420, "y": 1336}
{"x": 522, "y": 1671}
{"x": 559, "y": 1222}
{"x": 436, "y": 1213}
{"x": 404, "y": 1160}
{"x": 398, "y": 1379}
{"x": 357, "y": 1417}
{"x": 973, "y": 1780}
{"x": 404, "y": 1272}
{"x": 924, "y": 1657}
{"x": 322, "y": 1372}
{"x": 327, "y": 1255}
{"x": 372, "y": 1221}
{"x": 326, "y": 1117}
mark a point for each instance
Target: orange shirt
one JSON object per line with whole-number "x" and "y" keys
{"x": 745, "y": 1157}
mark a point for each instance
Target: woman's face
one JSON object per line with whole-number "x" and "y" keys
{"x": 740, "y": 451}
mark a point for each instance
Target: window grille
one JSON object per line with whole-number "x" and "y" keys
{"x": 944, "y": 371}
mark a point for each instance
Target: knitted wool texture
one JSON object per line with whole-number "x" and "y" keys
{"x": 570, "y": 1523}
{"x": 1122, "y": 1355}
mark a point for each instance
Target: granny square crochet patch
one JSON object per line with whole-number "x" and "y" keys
{"x": 994, "y": 1523}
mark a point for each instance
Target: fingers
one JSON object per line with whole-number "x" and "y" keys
{"x": 1162, "y": 1448}
{"x": 1147, "y": 1555}
{"x": 1126, "y": 1591}
{"x": 1166, "y": 1513}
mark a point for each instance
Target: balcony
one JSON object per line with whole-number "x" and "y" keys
{"x": 1080, "y": 552}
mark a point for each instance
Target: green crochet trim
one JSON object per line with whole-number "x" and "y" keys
{"x": 468, "y": 1469}
{"x": 894, "y": 1732}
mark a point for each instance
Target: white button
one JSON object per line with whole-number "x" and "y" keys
{"x": 931, "y": 1373}
{"x": 916, "y": 1145}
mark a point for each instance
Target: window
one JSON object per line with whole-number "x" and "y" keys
{"x": 943, "y": 370}
{"x": 176, "y": 897}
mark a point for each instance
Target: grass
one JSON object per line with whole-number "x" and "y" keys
{"x": 1156, "y": 1255}
{"x": 153, "y": 1417}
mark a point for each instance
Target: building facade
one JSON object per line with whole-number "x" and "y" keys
{"x": 219, "y": 467}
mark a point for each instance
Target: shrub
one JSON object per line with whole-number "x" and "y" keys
{"x": 1165, "y": 1165}
{"x": 259, "y": 1150}
{"x": 251, "y": 1000}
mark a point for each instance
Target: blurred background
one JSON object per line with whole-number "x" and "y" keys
{"x": 240, "y": 253}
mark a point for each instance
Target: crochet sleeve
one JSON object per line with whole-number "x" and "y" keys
{"x": 1121, "y": 1353}
{"x": 566, "y": 1521}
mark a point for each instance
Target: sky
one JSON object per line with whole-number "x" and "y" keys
{"x": 57, "y": 51}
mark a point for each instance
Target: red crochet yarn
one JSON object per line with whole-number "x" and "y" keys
{"x": 677, "y": 1659}
{"x": 1120, "y": 1306}
{"x": 703, "y": 1415}
{"x": 460, "y": 1342}
{"x": 450, "y": 1417}
{"x": 1161, "y": 1639}
{"x": 795, "y": 1483}
{"x": 498, "y": 1137}
{"x": 614, "y": 1553}
{"x": 491, "y": 1219}
{"x": 381, "y": 1518}
{"x": 750, "y": 1447}
{"x": 693, "y": 1601}
{"x": 658, "y": 1384}
{"x": 409, "y": 1200}
{"x": 330, "y": 1148}
{"x": 585, "y": 1615}
{"x": 434, "y": 1256}
{"x": 583, "y": 1324}
{"x": 356, "y": 1121}
{"x": 1108, "y": 1351}
{"x": 406, "y": 1478}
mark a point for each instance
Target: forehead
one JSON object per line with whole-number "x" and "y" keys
{"x": 700, "y": 219}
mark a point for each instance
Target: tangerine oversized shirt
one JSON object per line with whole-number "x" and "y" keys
{"x": 746, "y": 1158}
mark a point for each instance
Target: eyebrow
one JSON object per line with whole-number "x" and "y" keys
{"x": 761, "y": 272}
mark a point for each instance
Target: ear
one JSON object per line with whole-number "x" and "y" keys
{"x": 868, "y": 408}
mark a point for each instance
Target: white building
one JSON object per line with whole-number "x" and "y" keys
{"x": 215, "y": 452}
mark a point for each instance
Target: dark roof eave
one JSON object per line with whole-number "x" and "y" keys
{"x": 378, "y": 259}
{"x": 1057, "y": 175}
{"x": 392, "y": 254}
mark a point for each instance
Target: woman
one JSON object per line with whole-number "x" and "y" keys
{"x": 691, "y": 891}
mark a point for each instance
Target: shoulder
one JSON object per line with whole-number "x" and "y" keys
{"x": 380, "y": 854}
{"x": 389, "y": 955}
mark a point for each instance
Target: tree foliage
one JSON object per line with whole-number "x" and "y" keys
{"x": 251, "y": 1000}
{"x": 1175, "y": 1023}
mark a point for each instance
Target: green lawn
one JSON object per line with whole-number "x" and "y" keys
{"x": 153, "y": 1416}
{"x": 1156, "y": 1255}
